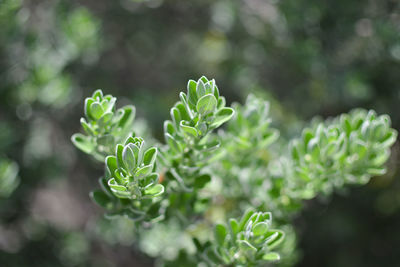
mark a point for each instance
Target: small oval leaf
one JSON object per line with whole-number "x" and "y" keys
{"x": 154, "y": 191}
{"x": 150, "y": 156}
{"x": 82, "y": 142}
{"x": 96, "y": 110}
{"x": 188, "y": 130}
{"x": 206, "y": 104}
{"x": 222, "y": 116}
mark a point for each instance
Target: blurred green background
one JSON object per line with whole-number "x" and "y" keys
{"x": 314, "y": 57}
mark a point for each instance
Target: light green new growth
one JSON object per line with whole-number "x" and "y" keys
{"x": 130, "y": 186}
{"x": 103, "y": 124}
{"x": 248, "y": 242}
{"x": 187, "y": 134}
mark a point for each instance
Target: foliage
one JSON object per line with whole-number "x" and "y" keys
{"x": 104, "y": 125}
{"x": 339, "y": 55}
{"x": 350, "y": 149}
{"x": 188, "y": 135}
{"x": 130, "y": 186}
{"x": 245, "y": 243}
{"x": 231, "y": 171}
{"x": 131, "y": 180}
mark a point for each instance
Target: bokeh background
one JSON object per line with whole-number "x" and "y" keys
{"x": 308, "y": 57}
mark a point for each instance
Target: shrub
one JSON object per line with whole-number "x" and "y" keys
{"x": 199, "y": 181}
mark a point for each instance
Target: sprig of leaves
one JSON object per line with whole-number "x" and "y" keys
{"x": 130, "y": 186}
{"x": 251, "y": 127}
{"x": 245, "y": 155}
{"x": 104, "y": 125}
{"x": 131, "y": 170}
{"x": 349, "y": 149}
{"x": 187, "y": 134}
{"x": 248, "y": 242}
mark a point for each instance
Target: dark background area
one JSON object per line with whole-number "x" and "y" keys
{"x": 314, "y": 57}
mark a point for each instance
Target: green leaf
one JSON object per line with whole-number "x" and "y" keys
{"x": 122, "y": 194}
{"x": 191, "y": 93}
{"x": 130, "y": 139}
{"x": 9, "y": 179}
{"x": 307, "y": 136}
{"x": 118, "y": 190}
{"x": 98, "y": 94}
{"x": 118, "y": 176}
{"x": 222, "y": 116}
{"x": 247, "y": 247}
{"x": 188, "y": 130}
{"x": 206, "y": 104}
{"x": 376, "y": 171}
{"x": 234, "y": 226}
{"x": 96, "y": 110}
{"x": 200, "y": 89}
{"x": 111, "y": 162}
{"x": 183, "y": 112}
{"x": 267, "y": 217}
{"x": 120, "y": 161}
{"x": 389, "y": 139}
{"x": 142, "y": 172}
{"x": 100, "y": 198}
{"x": 275, "y": 239}
{"x": 83, "y": 143}
{"x": 150, "y": 179}
{"x": 136, "y": 152}
{"x": 270, "y": 137}
{"x": 156, "y": 190}
{"x": 220, "y": 234}
{"x": 260, "y": 228}
{"x": 201, "y": 181}
{"x": 201, "y": 128}
{"x": 173, "y": 144}
{"x": 271, "y": 256}
{"x": 105, "y": 119}
{"x": 104, "y": 186}
{"x": 176, "y": 116}
{"x": 210, "y": 87}
{"x": 169, "y": 128}
{"x": 150, "y": 156}
{"x": 221, "y": 102}
{"x": 88, "y": 102}
{"x": 86, "y": 127}
{"x": 204, "y": 79}
{"x": 216, "y": 91}
{"x": 245, "y": 218}
{"x": 129, "y": 159}
{"x": 127, "y": 117}
{"x": 109, "y": 104}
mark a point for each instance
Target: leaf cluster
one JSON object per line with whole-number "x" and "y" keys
{"x": 347, "y": 150}
{"x": 187, "y": 135}
{"x": 197, "y": 173}
{"x": 248, "y": 242}
{"x": 104, "y": 125}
